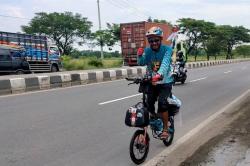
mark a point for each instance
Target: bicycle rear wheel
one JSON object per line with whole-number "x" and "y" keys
{"x": 139, "y": 147}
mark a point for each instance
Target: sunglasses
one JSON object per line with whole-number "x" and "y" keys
{"x": 153, "y": 40}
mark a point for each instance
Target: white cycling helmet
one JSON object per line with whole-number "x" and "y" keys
{"x": 154, "y": 31}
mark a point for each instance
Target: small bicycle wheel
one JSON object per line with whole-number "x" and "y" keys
{"x": 139, "y": 147}
{"x": 170, "y": 138}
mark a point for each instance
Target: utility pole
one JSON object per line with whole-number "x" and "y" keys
{"x": 100, "y": 28}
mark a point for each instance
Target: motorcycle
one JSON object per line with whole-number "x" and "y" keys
{"x": 138, "y": 116}
{"x": 179, "y": 72}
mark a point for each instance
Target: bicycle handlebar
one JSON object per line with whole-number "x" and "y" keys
{"x": 138, "y": 80}
{"x": 130, "y": 79}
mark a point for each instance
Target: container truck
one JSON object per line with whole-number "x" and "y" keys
{"x": 133, "y": 37}
{"x": 24, "y": 53}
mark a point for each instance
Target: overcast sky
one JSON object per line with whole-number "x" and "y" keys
{"x": 229, "y": 12}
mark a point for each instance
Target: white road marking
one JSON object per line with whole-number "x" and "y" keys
{"x": 198, "y": 79}
{"x": 226, "y": 72}
{"x": 111, "y": 101}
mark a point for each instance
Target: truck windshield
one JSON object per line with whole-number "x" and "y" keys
{"x": 53, "y": 50}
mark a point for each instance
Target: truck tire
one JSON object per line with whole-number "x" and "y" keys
{"x": 19, "y": 72}
{"x": 54, "y": 68}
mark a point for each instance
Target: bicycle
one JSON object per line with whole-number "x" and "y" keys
{"x": 138, "y": 116}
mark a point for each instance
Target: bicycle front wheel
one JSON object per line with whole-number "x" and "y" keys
{"x": 169, "y": 140}
{"x": 139, "y": 147}
{"x": 171, "y": 131}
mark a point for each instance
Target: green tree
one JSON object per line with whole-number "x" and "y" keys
{"x": 208, "y": 38}
{"x": 108, "y": 37}
{"x": 189, "y": 28}
{"x": 63, "y": 28}
{"x": 158, "y": 21}
{"x": 243, "y": 50}
{"x": 233, "y": 36}
{"x": 149, "y": 19}
{"x": 215, "y": 43}
{"x": 213, "y": 47}
{"x": 115, "y": 30}
{"x": 198, "y": 32}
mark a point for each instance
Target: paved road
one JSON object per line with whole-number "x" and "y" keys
{"x": 85, "y": 125}
{"x": 229, "y": 148}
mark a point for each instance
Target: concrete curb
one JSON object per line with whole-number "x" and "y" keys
{"x": 17, "y": 85}
{"x": 56, "y": 80}
{"x": 213, "y": 63}
{"x": 43, "y": 82}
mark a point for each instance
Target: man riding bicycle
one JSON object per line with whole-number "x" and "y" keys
{"x": 157, "y": 57}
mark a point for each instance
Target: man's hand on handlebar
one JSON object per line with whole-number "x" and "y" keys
{"x": 157, "y": 77}
{"x": 146, "y": 78}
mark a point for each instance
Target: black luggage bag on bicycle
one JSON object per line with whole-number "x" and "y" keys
{"x": 137, "y": 116}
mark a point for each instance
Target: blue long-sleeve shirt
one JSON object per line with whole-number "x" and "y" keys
{"x": 159, "y": 62}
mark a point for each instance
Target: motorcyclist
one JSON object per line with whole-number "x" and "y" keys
{"x": 157, "y": 57}
{"x": 180, "y": 59}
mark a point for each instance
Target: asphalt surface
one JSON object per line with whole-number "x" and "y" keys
{"x": 84, "y": 125}
{"x": 229, "y": 148}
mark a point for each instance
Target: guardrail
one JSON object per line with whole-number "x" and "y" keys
{"x": 63, "y": 79}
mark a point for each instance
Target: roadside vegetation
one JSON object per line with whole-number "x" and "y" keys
{"x": 84, "y": 60}
{"x": 86, "y": 63}
{"x": 242, "y": 51}
{"x": 204, "y": 40}
{"x": 91, "y": 59}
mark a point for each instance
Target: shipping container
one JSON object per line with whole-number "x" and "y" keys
{"x": 133, "y": 37}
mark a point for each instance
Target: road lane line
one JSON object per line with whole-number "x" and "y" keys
{"x": 226, "y": 72}
{"x": 111, "y": 101}
{"x": 198, "y": 79}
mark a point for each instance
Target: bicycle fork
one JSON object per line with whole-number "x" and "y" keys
{"x": 142, "y": 139}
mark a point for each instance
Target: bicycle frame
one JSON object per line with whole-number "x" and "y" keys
{"x": 139, "y": 144}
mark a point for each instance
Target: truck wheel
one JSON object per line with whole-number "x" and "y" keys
{"x": 54, "y": 68}
{"x": 19, "y": 72}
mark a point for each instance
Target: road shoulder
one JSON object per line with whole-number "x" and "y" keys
{"x": 231, "y": 146}
{"x": 184, "y": 151}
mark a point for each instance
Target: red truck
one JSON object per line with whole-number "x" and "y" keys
{"x": 133, "y": 37}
